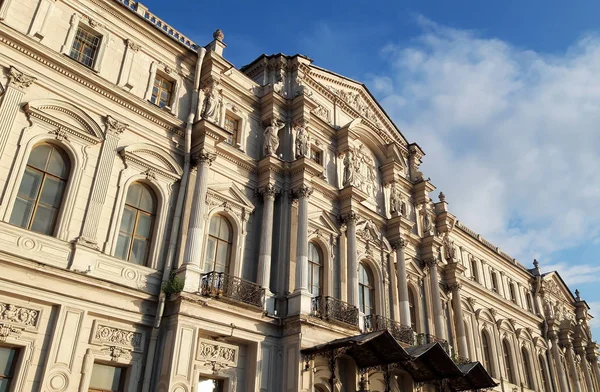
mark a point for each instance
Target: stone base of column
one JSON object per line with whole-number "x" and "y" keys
{"x": 191, "y": 276}
{"x": 300, "y": 302}
{"x": 270, "y": 300}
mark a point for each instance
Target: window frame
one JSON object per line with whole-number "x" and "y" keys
{"x": 167, "y": 73}
{"x": 230, "y": 252}
{"x": 412, "y": 309}
{"x": 486, "y": 349}
{"x": 529, "y": 380}
{"x": 163, "y": 78}
{"x": 474, "y": 270}
{"x": 238, "y": 140}
{"x": 320, "y": 266}
{"x": 122, "y": 379}
{"x": 12, "y": 376}
{"x": 508, "y": 366}
{"x": 494, "y": 282}
{"x": 79, "y": 22}
{"x": 45, "y": 174}
{"x": 370, "y": 288}
{"x": 138, "y": 212}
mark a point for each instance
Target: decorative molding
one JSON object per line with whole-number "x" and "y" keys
{"x": 268, "y": 192}
{"x": 114, "y": 126}
{"x": 116, "y": 353}
{"x": 112, "y": 336}
{"x": 204, "y": 158}
{"x": 8, "y": 330}
{"x": 19, "y": 315}
{"x": 217, "y": 354}
{"x": 19, "y": 80}
{"x": 400, "y": 244}
{"x": 303, "y": 192}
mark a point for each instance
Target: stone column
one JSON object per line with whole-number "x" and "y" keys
{"x": 560, "y": 370}
{"x": 594, "y": 362}
{"x": 303, "y": 193}
{"x": 266, "y": 237}
{"x": 106, "y": 161}
{"x": 195, "y": 238}
{"x": 438, "y": 312}
{"x": 402, "y": 284}
{"x": 576, "y": 387}
{"x": 394, "y": 287}
{"x": 586, "y": 371}
{"x": 459, "y": 321}
{"x": 18, "y": 83}
{"x": 351, "y": 259}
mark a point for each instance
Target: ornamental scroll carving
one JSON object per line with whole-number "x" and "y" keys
{"x": 117, "y": 337}
{"x": 19, "y": 315}
{"x": 354, "y": 100}
{"x": 8, "y": 330}
{"x": 217, "y": 354}
{"x": 19, "y": 80}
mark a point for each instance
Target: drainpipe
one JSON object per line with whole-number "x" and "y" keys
{"x": 171, "y": 250}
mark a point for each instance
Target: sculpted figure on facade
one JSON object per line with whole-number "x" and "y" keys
{"x": 427, "y": 221}
{"x": 449, "y": 249}
{"x": 212, "y": 102}
{"x": 302, "y": 140}
{"x": 271, "y": 141}
{"x": 360, "y": 171}
{"x": 397, "y": 204}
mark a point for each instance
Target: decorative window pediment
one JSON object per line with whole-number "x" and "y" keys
{"x": 155, "y": 160}
{"x": 66, "y": 118}
{"x": 231, "y": 198}
{"x": 321, "y": 220}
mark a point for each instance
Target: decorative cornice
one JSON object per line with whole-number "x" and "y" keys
{"x": 19, "y": 80}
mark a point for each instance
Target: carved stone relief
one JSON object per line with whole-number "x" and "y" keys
{"x": 303, "y": 140}
{"x": 112, "y": 336}
{"x": 271, "y": 139}
{"x": 360, "y": 171}
{"x": 19, "y": 315}
{"x": 213, "y": 99}
{"x": 218, "y": 355}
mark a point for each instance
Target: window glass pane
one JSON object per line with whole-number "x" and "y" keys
{"x": 222, "y": 255}
{"x": 225, "y": 231}
{"x": 214, "y": 226}
{"x": 52, "y": 192}
{"x": 30, "y": 184}
{"x": 21, "y": 213}
{"x": 39, "y": 156}
{"x": 8, "y": 358}
{"x": 211, "y": 247}
{"x": 208, "y": 385}
{"x": 317, "y": 276}
{"x": 146, "y": 200}
{"x": 105, "y": 377}
{"x": 57, "y": 164}
{"x": 367, "y": 301}
{"x": 139, "y": 251}
{"x": 133, "y": 195}
{"x": 144, "y": 226}
{"x": 128, "y": 220}
{"x": 122, "y": 246}
{"x": 43, "y": 219}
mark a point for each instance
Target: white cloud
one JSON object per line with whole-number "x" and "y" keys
{"x": 512, "y": 136}
{"x": 576, "y": 273}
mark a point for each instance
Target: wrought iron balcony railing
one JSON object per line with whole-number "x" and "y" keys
{"x": 424, "y": 338}
{"x": 401, "y": 333}
{"x": 329, "y": 308}
{"x": 219, "y": 284}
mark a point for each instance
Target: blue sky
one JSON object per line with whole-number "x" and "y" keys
{"x": 504, "y": 97}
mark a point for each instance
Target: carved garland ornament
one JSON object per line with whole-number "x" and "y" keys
{"x": 116, "y": 336}
{"x": 19, "y": 80}
{"x": 18, "y": 315}
{"x": 217, "y": 354}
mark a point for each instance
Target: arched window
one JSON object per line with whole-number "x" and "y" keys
{"x": 315, "y": 269}
{"x": 42, "y": 189}
{"x": 544, "y": 371}
{"x": 366, "y": 291}
{"x": 527, "y": 367}
{"x": 137, "y": 224}
{"x": 507, "y": 359}
{"x": 219, "y": 244}
{"x": 487, "y": 352}
{"x": 412, "y": 310}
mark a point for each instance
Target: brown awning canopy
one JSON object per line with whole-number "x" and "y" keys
{"x": 425, "y": 363}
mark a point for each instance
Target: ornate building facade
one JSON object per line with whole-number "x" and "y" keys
{"x": 197, "y": 227}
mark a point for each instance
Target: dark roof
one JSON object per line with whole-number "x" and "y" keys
{"x": 425, "y": 363}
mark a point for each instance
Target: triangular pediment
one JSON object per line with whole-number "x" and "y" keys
{"x": 229, "y": 192}
{"x": 323, "y": 220}
{"x": 152, "y": 158}
{"x": 555, "y": 286}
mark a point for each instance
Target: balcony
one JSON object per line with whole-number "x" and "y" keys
{"x": 221, "y": 285}
{"x": 425, "y": 338}
{"x": 401, "y": 333}
{"x": 329, "y": 308}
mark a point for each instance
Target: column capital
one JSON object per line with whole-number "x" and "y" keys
{"x": 204, "y": 158}
{"x": 268, "y": 192}
{"x": 351, "y": 217}
{"x": 303, "y": 192}
{"x": 454, "y": 286}
{"x": 430, "y": 262}
{"x": 133, "y": 45}
{"x": 114, "y": 126}
{"x": 400, "y": 244}
{"x": 568, "y": 345}
{"x": 19, "y": 80}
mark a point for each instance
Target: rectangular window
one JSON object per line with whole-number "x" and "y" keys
{"x": 210, "y": 385}
{"x": 231, "y": 126}
{"x": 474, "y": 270}
{"x": 494, "y": 282}
{"x": 8, "y": 363}
{"x": 316, "y": 156}
{"x": 106, "y": 378}
{"x": 161, "y": 92}
{"x": 85, "y": 47}
{"x": 529, "y": 303}
{"x": 513, "y": 295}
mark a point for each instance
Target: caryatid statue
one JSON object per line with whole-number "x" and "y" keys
{"x": 302, "y": 140}
{"x": 271, "y": 142}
